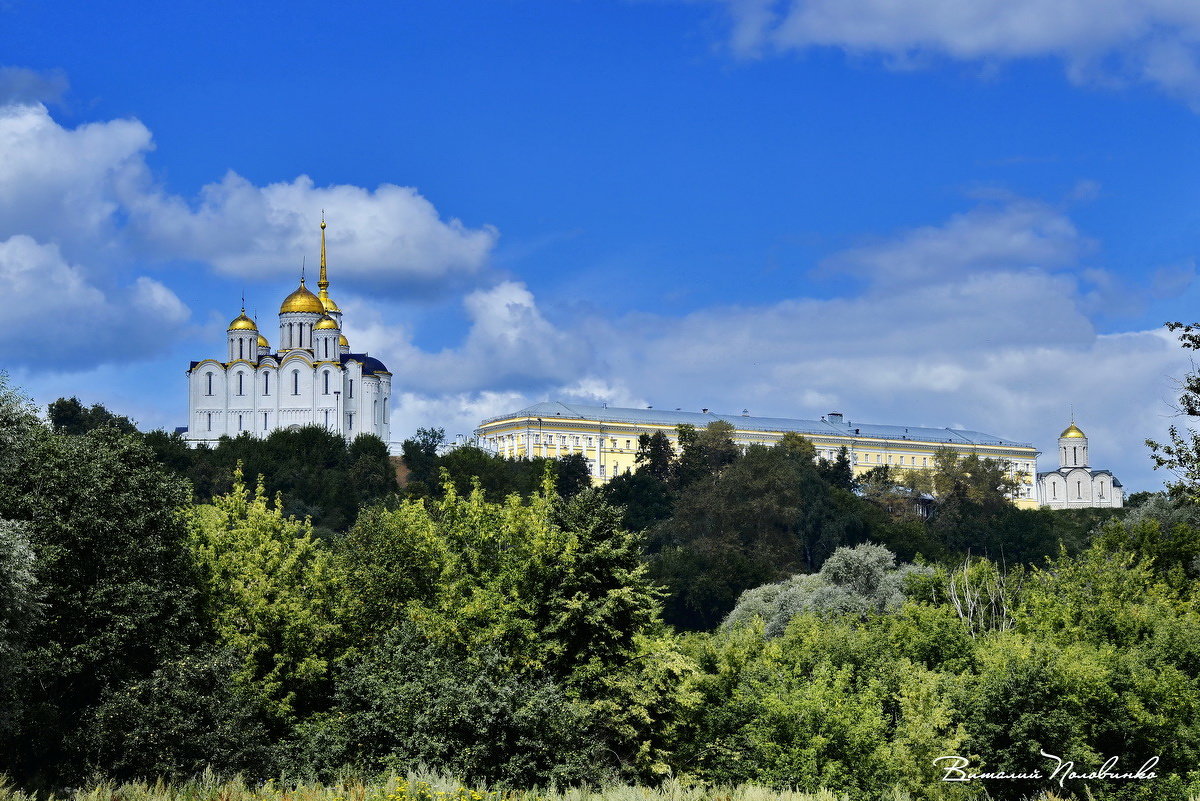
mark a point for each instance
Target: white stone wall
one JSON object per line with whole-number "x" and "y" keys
{"x": 292, "y": 393}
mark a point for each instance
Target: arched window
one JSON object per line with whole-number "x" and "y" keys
{"x": 291, "y": 335}
{"x": 266, "y": 383}
{"x": 209, "y": 377}
{"x": 326, "y": 347}
{"x": 295, "y": 382}
{"x": 239, "y": 422}
{"x": 1079, "y": 488}
{"x": 325, "y": 391}
{"x": 241, "y": 350}
{"x": 210, "y": 421}
{"x": 264, "y": 421}
{"x": 351, "y": 388}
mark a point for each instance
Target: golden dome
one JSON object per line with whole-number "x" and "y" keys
{"x": 345, "y": 343}
{"x": 262, "y": 342}
{"x": 302, "y": 301}
{"x": 242, "y": 323}
{"x": 325, "y": 323}
{"x": 327, "y": 302}
{"x": 1072, "y": 431}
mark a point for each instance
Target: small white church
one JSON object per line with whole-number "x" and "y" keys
{"x": 313, "y": 378}
{"x": 1075, "y": 485}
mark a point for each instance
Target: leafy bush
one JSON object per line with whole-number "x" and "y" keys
{"x": 853, "y": 581}
{"x": 408, "y": 702}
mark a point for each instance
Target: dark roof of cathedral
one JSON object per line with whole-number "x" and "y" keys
{"x": 370, "y": 364}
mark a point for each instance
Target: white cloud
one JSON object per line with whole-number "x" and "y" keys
{"x": 66, "y": 322}
{"x": 90, "y": 190}
{"x": 982, "y": 321}
{"x": 457, "y": 413}
{"x": 1019, "y": 233}
{"x": 67, "y": 186}
{"x": 1157, "y": 41}
{"x": 389, "y": 236}
{"x": 509, "y": 346}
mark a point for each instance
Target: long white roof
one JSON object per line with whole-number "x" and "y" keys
{"x": 555, "y": 410}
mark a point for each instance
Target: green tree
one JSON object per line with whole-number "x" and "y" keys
{"x": 420, "y": 454}
{"x": 655, "y": 455}
{"x": 407, "y": 703}
{"x": 644, "y": 499}
{"x": 859, "y": 581}
{"x": 19, "y": 612}
{"x": 763, "y": 517}
{"x": 556, "y": 585}
{"x": 272, "y": 596}
{"x": 317, "y": 473}
{"x": 1181, "y": 455}
{"x": 703, "y": 453}
{"x": 189, "y": 715}
{"x": 391, "y": 558}
{"x": 838, "y": 471}
{"x": 70, "y": 416}
{"x": 106, "y": 523}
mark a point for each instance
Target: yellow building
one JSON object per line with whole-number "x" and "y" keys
{"x": 608, "y": 438}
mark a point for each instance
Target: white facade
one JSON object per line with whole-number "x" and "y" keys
{"x": 1075, "y": 485}
{"x": 312, "y": 379}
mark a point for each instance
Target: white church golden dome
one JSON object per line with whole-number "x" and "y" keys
{"x": 324, "y": 324}
{"x": 327, "y": 302}
{"x": 242, "y": 323}
{"x": 302, "y": 300}
{"x": 1072, "y": 431}
{"x": 262, "y": 342}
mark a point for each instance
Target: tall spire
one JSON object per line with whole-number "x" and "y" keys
{"x": 323, "y": 284}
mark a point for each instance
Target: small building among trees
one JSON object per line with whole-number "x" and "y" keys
{"x": 1075, "y": 485}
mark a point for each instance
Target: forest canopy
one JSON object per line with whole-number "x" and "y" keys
{"x": 717, "y": 616}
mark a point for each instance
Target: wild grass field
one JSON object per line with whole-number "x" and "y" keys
{"x": 434, "y": 787}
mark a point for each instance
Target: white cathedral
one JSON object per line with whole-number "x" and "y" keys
{"x": 1074, "y": 485}
{"x": 312, "y": 379}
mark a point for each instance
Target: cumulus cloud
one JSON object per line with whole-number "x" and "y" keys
{"x": 69, "y": 186}
{"x": 90, "y": 190}
{"x": 509, "y": 346}
{"x": 387, "y": 237}
{"x": 66, "y": 322}
{"x": 983, "y": 321}
{"x": 1018, "y": 233}
{"x": 1156, "y": 41}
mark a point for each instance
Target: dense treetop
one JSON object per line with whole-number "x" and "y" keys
{"x": 718, "y": 615}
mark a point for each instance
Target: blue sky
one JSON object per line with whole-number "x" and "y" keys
{"x": 913, "y": 212}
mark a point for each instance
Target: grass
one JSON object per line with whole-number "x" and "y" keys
{"x": 421, "y": 786}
